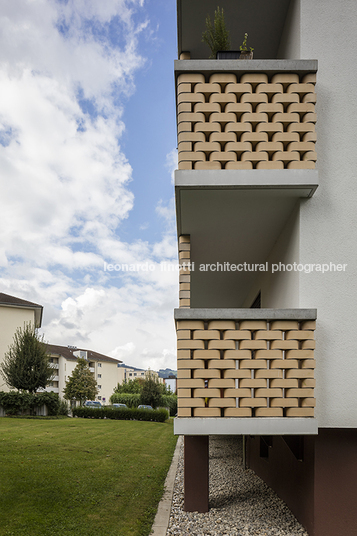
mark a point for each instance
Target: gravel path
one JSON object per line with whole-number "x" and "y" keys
{"x": 241, "y": 504}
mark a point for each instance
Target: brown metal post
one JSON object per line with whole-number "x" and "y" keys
{"x": 196, "y": 469}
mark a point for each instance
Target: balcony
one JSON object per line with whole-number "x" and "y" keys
{"x": 245, "y": 371}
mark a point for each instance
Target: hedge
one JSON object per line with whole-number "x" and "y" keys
{"x": 126, "y": 414}
{"x": 132, "y": 400}
{"x": 15, "y": 402}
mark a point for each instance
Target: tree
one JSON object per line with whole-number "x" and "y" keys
{"x": 81, "y": 385}
{"x": 26, "y": 366}
{"x": 132, "y": 386}
{"x": 151, "y": 392}
{"x": 216, "y": 35}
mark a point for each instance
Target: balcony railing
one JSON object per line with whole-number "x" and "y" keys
{"x": 248, "y": 119}
{"x": 245, "y": 363}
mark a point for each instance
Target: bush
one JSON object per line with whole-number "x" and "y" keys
{"x": 15, "y": 402}
{"x": 63, "y": 408}
{"x": 169, "y": 401}
{"x": 126, "y": 414}
{"x": 132, "y": 400}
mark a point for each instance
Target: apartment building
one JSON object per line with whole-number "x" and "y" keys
{"x": 128, "y": 373}
{"x": 15, "y": 313}
{"x": 105, "y": 369}
{"x": 266, "y": 222}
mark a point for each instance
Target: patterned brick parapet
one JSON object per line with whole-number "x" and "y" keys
{"x": 247, "y": 368}
{"x": 184, "y": 247}
{"x": 249, "y": 122}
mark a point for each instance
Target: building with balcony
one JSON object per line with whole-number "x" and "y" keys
{"x": 266, "y": 224}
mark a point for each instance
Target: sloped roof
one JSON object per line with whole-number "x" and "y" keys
{"x": 12, "y": 301}
{"x": 68, "y": 353}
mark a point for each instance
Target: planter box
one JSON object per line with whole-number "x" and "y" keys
{"x": 228, "y": 55}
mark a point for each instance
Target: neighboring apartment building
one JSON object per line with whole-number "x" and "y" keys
{"x": 266, "y": 219}
{"x": 105, "y": 369}
{"x": 15, "y": 313}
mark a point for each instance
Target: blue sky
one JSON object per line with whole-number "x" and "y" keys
{"x": 87, "y": 152}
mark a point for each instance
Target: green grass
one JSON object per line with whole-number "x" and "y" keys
{"x": 81, "y": 477}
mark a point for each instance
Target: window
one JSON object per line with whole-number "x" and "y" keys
{"x": 99, "y": 364}
{"x": 99, "y": 375}
{"x": 99, "y": 386}
{"x": 99, "y": 398}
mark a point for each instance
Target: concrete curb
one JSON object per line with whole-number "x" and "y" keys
{"x": 162, "y": 517}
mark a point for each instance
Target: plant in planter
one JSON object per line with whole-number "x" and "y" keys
{"x": 245, "y": 54}
{"x": 216, "y": 35}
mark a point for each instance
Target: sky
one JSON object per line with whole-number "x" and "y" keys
{"x": 87, "y": 153}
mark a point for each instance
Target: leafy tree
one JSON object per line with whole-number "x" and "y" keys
{"x": 216, "y": 35}
{"x": 132, "y": 386}
{"x": 151, "y": 392}
{"x": 26, "y": 365}
{"x": 81, "y": 385}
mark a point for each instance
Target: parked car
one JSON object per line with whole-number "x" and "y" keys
{"x": 143, "y": 406}
{"x": 92, "y": 404}
{"x": 118, "y": 406}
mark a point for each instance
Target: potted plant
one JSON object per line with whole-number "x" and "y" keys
{"x": 216, "y": 35}
{"x": 245, "y": 54}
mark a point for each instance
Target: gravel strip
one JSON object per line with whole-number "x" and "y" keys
{"x": 241, "y": 504}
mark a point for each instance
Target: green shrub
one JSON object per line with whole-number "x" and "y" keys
{"x": 63, "y": 408}
{"x": 126, "y": 414}
{"x": 15, "y": 402}
{"x": 132, "y": 400}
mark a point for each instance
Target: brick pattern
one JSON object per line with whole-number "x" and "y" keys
{"x": 184, "y": 247}
{"x": 246, "y": 122}
{"x": 247, "y": 368}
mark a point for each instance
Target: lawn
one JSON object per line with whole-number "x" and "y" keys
{"x": 81, "y": 477}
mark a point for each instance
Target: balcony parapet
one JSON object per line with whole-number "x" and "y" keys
{"x": 246, "y": 364}
{"x": 246, "y": 114}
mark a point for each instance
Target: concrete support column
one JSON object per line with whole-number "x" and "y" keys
{"x": 196, "y": 468}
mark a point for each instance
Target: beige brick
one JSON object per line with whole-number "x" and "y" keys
{"x": 300, "y": 354}
{"x": 269, "y": 393}
{"x": 301, "y": 146}
{"x": 207, "y": 107}
{"x": 207, "y": 412}
{"x": 237, "y": 392}
{"x": 236, "y": 374}
{"x": 183, "y": 334}
{"x": 185, "y": 286}
{"x": 286, "y": 156}
{"x": 184, "y": 294}
{"x": 184, "y": 127}
{"x": 190, "y": 383}
{"x": 299, "y": 374}
{"x": 184, "y": 107}
{"x": 184, "y": 302}
{"x": 222, "y": 118}
{"x": 284, "y": 403}
{"x": 221, "y": 345}
{"x": 185, "y": 96}
{"x": 309, "y": 156}
{"x": 301, "y": 108}
{"x": 284, "y": 325}
{"x": 221, "y": 364}
{"x": 207, "y": 89}
{"x": 237, "y": 334}
{"x": 222, "y": 403}
{"x": 238, "y": 146}
{"x": 270, "y": 108}
{"x": 253, "y": 345}
{"x": 254, "y": 79}
{"x": 184, "y": 239}
{"x": 192, "y": 156}
{"x": 190, "y": 364}
{"x": 192, "y": 78}
{"x": 285, "y": 79}
{"x": 299, "y": 393}
{"x": 238, "y": 89}
{"x": 206, "y": 393}
{"x": 253, "y": 383}
{"x": 301, "y": 128}
{"x": 254, "y": 118}
{"x": 183, "y": 354}
{"x": 253, "y": 324}
{"x": 299, "y": 335}
{"x": 184, "y": 165}
{"x": 270, "y": 128}
{"x": 269, "y": 374}
{"x": 206, "y": 373}
{"x": 223, "y": 78}
{"x": 255, "y": 156}
{"x": 300, "y": 412}
{"x": 239, "y": 165}
{"x": 268, "y": 335}
{"x": 239, "y": 108}
{"x": 185, "y": 56}
{"x": 308, "y": 364}
{"x": 222, "y": 98}
{"x": 253, "y": 402}
{"x": 191, "y": 136}
{"x": 285, "y": 98}
{"x": 222, "y": 137}
{"x": 221, "y": 383}
{"x": 270, "y": 147}
{"x": 221, "y": 324}
{"x": 207, "y": 146}
{"x": 183, "y": 374}
{"x": 309, "y": 97}
{"x": 284, "y": 345}
{"x": 269, "y": 89}
{"x": 184, "y": 246}
{"x": 254, "y": 98}
{"x": 284, "y": 383}
{"x": 253, "y": 364}
{"x": 184, "y": 412}
{"x": 286, "y": 137}
{"x": 309, "y": 78}
{"x": 206, "y": 354}
{"x": 269, "y": 412}
{"x": 284, "y": 363}
{"x": 190, "y": 403}
{"x": 192, "y": 117}
{"x": 308, "y": 402}
{"x": 191, "y": 344}
{"x": 286, "y": 118}
{"x": 269, "y": 354}
{"x": 240, "y": 128}
{"x": 308, "y": 324}
{"x": 308, "y": 383}
{"x": 207, "y": 165}
{"x": 206, "y": 334}
{"x": 238, "y": 412}
{"x": 308, "y": 345}
{"x": 207, "y": 128}
{"x": 301, "y": 165}
{"x": 223, "y": 156}
{"x": 184, "y": 393}
{"x": 190, "y": 324}
{"x": 270, "y": 165}
{"x": 301, "y": 89}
